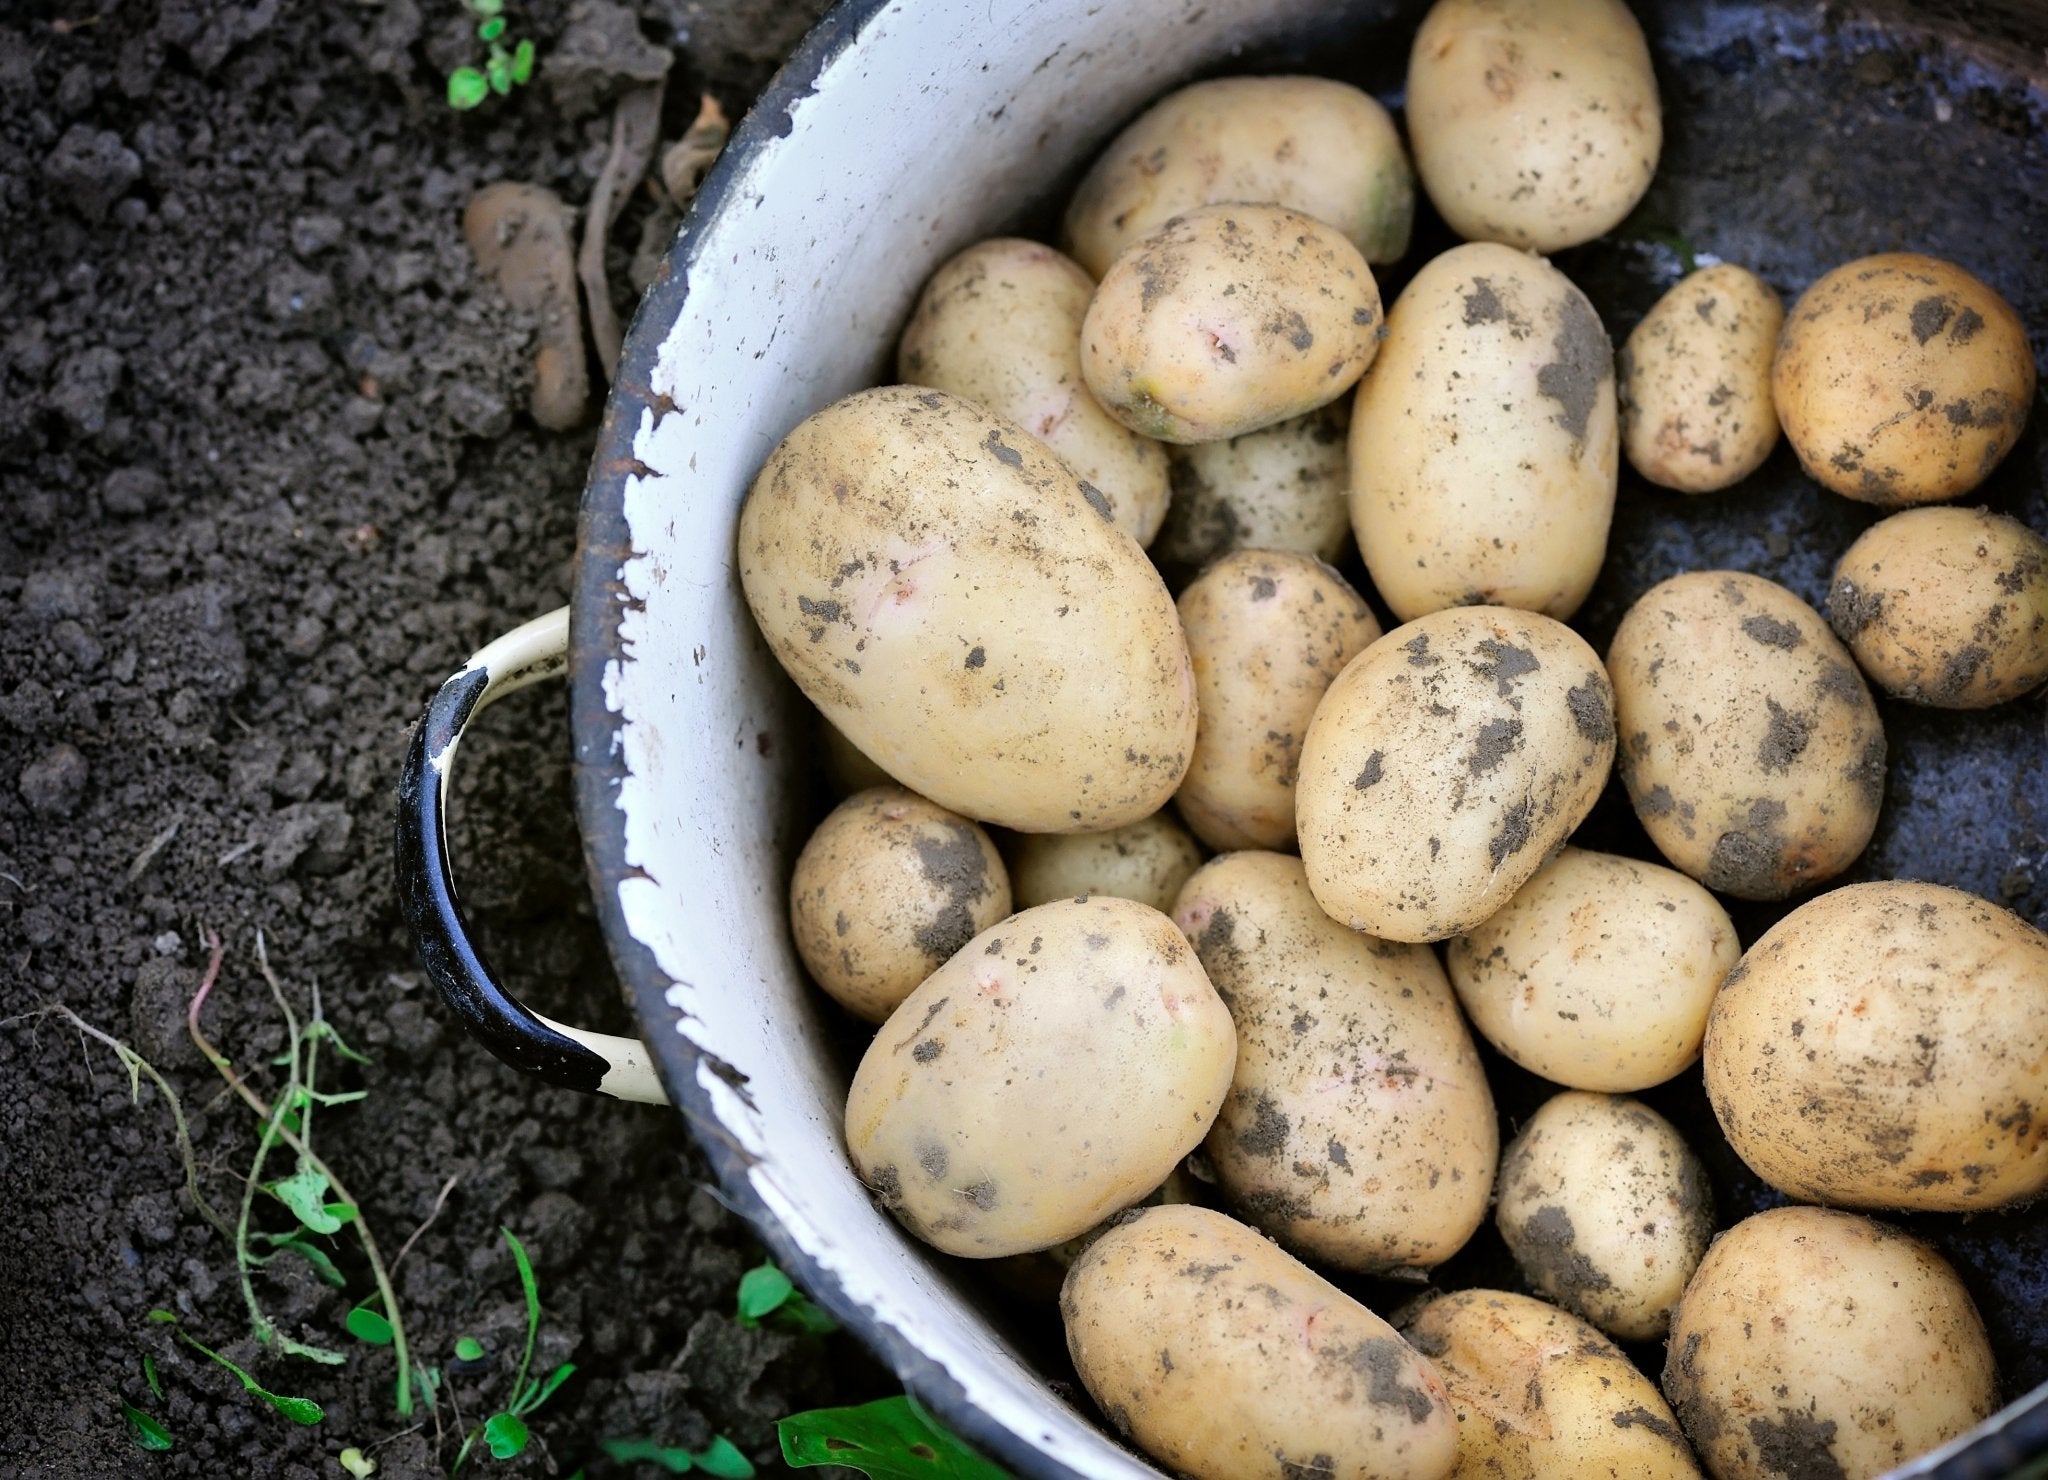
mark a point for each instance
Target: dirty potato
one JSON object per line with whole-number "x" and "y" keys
{"x": 1599, "y": 973}
{"x": 1359, "y": 1130}
{"x": 1750, "y": 747}
{"x": 1001, "y": 324}
{"x": 1484, "y": 445}
{"x": 1267, "y": 632}
{"x": 884, "y": 893}
{"x": 1696, "y": 412}
{"x": 1087, "y": 1021}
{"x": 1813, "y": 1342}
{"x": 1146, "y": 860}
{"x": 1227, "y": 319}
{"x": 1541, "y": 1395}
{"x": 1313, "y": 145}
{"x": 959, "y": 604}
{"x": 1038, "y": 1276}
{"x": 1224, "y": 1359}
{"x": 1446, "y": 764}
{"x": 1283, "y": 487}
{"x": 1947, "y": 607}
{"x": 1902, "y": 379}
{"x": 1882, "y": 1047}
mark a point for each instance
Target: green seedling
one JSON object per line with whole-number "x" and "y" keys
{"x": 298, "y": 1410}
{"x": 720, "y": 1458}
{"x": 766, "y": 1294}
{"x": 892, "y": 1439}
{"x": 156, "y": 1389}
{"x": 505, "y": 1432}
{"x": 356, "y": 1463}
{"x": 369, "y": 1326}
{"x": 468, "y": 1349}
{"x": 505, "y": 67}
{"x": 144, "y": 1430}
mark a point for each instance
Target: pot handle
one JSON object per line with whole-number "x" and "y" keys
{"x": 548, "y": 1050}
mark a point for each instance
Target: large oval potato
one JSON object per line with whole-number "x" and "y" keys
{"x": 1484, "y": 442}
{"x": 957, "y": 602}
{"x": 1882, "y": 1046}
{"x": 1313, "y": 145}
{"x": 1224, "y": 1359}
{"x": 1267, "y": 632}
{"x": 1696, "y": 411}
{"x": 1283, "y": 487}
{"x": 1541, "y": 1395}
{"x": 1227, "y": 319}
{"x": 1087, "y": 1021}
{"x": 1535, "y": 122}
{"x": 1818, "y": 1343}
{"x": 1359, "y": 1129}
{"x": 1146, "y": 860}
{"x": 1001, "y": 324}
{"x": 1750, "y": 747}
{"x": 1446, "y": 764}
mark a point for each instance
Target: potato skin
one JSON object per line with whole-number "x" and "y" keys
{"x": 1224, "y": 1359}
{"x": 957, "y": 602}
{"x": 1902, "y": 379}
{"x": 1359, "y": 1130}
{"x": 1881, "y": 1047}
{"x": 1535, "y": 122}
{"x": 1599, "y": 973}
{"x": 1312, "y": 145}
{"x": 1819, "y": 1343}
{"x": 1283, "y": 487}
{"x": 1001, "y": 324}
{"x": 1267, "y": 632}
{"x": 1946, "y": 607}
{"x": 1147, "y": 860}
{"x": 1089, "y": 1021}
{"x": 885, "y": 891}
{"x": 1539, "y": 1393}
{"x": 1696, "y": 410}
{"x": 1750, "y": 747}
{"x": 1227, "y": 319}
{"x": 1446, "y": 764}
{"x": 1485, "y": 448}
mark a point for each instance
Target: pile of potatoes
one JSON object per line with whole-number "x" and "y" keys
{"x": 1136, "y": 885}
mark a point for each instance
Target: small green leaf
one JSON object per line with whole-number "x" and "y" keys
{"x": 368, "y": 1325}
{"x": 340, "y": 1212}
{"x": 149, "y": 1376}
{"x": 144, "y": 1430}
{"x": 298, "y": 1410}
{"x": 303, "y": 1192}
{"x": 506, "y": 1435}
{"x": 428, "y": 1380}
{"x": 326, "y": 1356}
{"x": 468, "y": 1349}
{"x": 522, "y": 61}
{"x": 324, "y": 1029}
{"x": 466, "y": 88}
{"x": 498, "y": 71}
{"x": 312, "y": 1253}
{"x": 893, "y": 1439}
{"x": 722, "y": 1457}
{"x": 491, "y": 29}
{"x": 162, "y": 1317}
{"x": 486, "y": 7}
{"x": 804, "y": 1315}
{"x": 763, "y": 1289}
{"x": 356, "y": 1463}
{"x": 540, "y": 1392}
{"x": 648, "y": 1452}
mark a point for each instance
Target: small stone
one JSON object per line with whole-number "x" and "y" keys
{"x": 91, "y": 169}
{"x": 75, "y": 90}
{"x": 476, "y": 411}
{"x": 313, "y": 833}
{"x": 156, "y": 1012}
{"x": 313, "y": 234}
{"x": 75, "y": 643}
{"x": 54, "y": 782}
{"x": 51, "y": 595}
{"x": 85, "y": 384}
{"x": 132, "y": 491}
{"x": 300, "y": 299}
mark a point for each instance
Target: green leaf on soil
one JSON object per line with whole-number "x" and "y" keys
{"x": 466, "y": 88}
{"x": 893, "y": 1439}
{"x": 468, "y": 1349}
{"x": 763, "y": 1289}
{"x": 303, "y": 1192}
{"x": 540, "y": 1392}
{"x": 326, "y": 1356}
{"x": 144, "y": 1430}
{"x": 498, "y": 72}
{"x": 491, "y": 29}
{"x": 722, "y": 1457}
{"x": 298, "y": 1410}
{"x": 506, "y": 1434}
{"x": 156, "y": 1388}
{"x": 312, "y": 1253}
{"x": 648, "y": 1452}
{"x": 161, "y": 1317}
{"x": 369, "y": 1325}
{"x": 522, "y": 61}
{"x": 356, "y": 1463}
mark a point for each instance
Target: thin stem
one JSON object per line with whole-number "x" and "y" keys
{"x": 265, "y": 1332}
{"x": 440, "y": 1201}
{"x": 293, "y": 1039}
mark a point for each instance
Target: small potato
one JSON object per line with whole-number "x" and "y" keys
{"x": 1947, "y": 607}
{"x": 1902, "y": 379}
{"x": 1817, "y": 1343}
{"x": 1535, "y": 122}
{"x": 1147, "y": 861}
{"x": 1281, "y": 488}
{"x": 1606, "y": 1210}
{"x": 1446, "y": 764}
{"x": 1541, "y": 1395}
{"x": 1484, "y": 446}
{"x": 1224, "y": 1359}
{"x": 1882, "y": 1047}
{"x": 884, "y": 893}
{"x": 1053, "y": 1072}
{"x": 1599, "y": 973}
{"x": 1359, "y": 1130}
{"x": 846, "y": 768}
{"x": 1227, "y": 319}
{"x": 1696, "y": 411}
{"x": 1319, "y": 147}
{"x": 1001, "y": 324}
{"x": 1750, "y": 747}
{"x": 1267, "y": 632}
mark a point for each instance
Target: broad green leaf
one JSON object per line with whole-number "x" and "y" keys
{"x": 722, "y": 1457}
{"x": 369, "y": 1325}
{"x": 505, "y": 1433}
{"x": 763, "y": 1289}
{"x": 144, "y": 1430}
{"x": 468, "y": 1349}
{"x": 466, "y": 88}
{"x": 892, "y": 1439}
{"x": 303, "y": 1192}
{"x": 648, "y": 1452}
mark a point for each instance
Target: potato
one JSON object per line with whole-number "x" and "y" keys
{"x": 957, "y": 602}
{"x": 1818, "y": 1343}
{"x": 1696, "y": 412}
{"x": 1606, "y": 1210}
{"x": 845, "y": 767}
{"x": 1053, "y": 1072}
{"x": 1599, "y": 973}
{"x": 1484, "y": 445}
{"x": 1001, "y": 324}
{"x": 884, "y": 893}
{"x": 1359, "y": 1130}
{"x": 1224, "y": 1359}
{"x": 1882, "y": 1047}
{"x": 1227, "y": 319}
{"x": 1947, "y": 607}
{"x": 1319, "y": 147}
{"x": 1267, "y": 632}
{"x": 1446, "y": 764}
{"x": 1901, "y": 379}
{"x": 1283, "y": 487}
{"x": 1535, "y": 122}
{"x": 1750, "y": 747}
{"x": 1541, "y": 1395}
{"x": 1038, "y": 1276}
{"x": 1146, "y": 860}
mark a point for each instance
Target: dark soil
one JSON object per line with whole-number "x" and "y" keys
{"x": 267, "y": 478}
